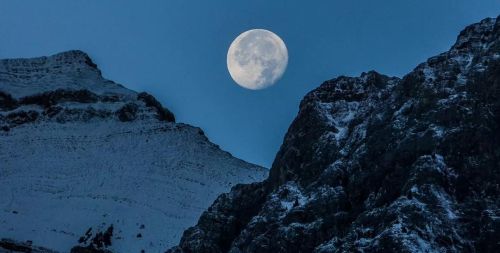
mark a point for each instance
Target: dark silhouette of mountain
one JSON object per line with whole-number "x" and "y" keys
{"x": 379, "y": 164}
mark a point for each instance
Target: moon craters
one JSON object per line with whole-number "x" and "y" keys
{"x": 257, "y": 59}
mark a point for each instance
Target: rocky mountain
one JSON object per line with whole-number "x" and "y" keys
{"x": 379, "y": 164}
{"x": 85, "y": 161}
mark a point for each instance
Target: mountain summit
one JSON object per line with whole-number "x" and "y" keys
{"x": 85, "y": 161}
{"x": 379, "y": 164}
{"x": 71, "y": 70}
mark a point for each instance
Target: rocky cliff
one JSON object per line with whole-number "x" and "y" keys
{"x": 379, "y": 164}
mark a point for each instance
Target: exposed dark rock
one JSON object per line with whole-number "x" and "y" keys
{"x": 50, "y": 98}
{"x": 67, "y": 104}
{"x": 98, "y": 244}
{"x": 80, "y": 249}
{"x": 85, "y": 238}
{"x": 52, "y": 104}
{"x": 379, "y": 164}
{"x": 84, "y": 114}
{"x": 52, "y": 111}
{"x": 217, "y": 230}
{"x": 150, "y": 101}
{"x": 18, "y": 118}
{"x": 128, "y": 112}
{"x": 12, "y": 246}
{"x": 110, "y": 98}
{"x": 90, "y": 63}
{"x": 101, "y": 240}
{"x": 7, "y": 102}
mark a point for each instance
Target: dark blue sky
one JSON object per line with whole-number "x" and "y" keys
{"x": 176, "y": 50}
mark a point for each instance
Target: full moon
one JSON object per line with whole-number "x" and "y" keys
{"x": 256, "y": 59}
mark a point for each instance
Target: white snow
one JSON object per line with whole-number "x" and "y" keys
{"x": 59, "y": 179}
{"x": 429, "y": 73}
{"x": 62, "y": 179}
{"x": 464, "y": 60}
{"x": 69, "y": 70}
{"x": 404, "y": 107}
{"x": 461, "y": 79}
{"x": 438, "y": 131}
{"x": 444, "y": 201}
{"x": 399, "y": 118}
{"x": 339, "y": 114}
{"x": 293, "y": 197}
{"x": 440, "y": 161}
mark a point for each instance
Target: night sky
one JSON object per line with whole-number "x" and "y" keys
{"x": 176, "y": 50}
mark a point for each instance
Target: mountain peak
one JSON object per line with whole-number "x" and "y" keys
{"x": 68, "y": 87}
{"x": 379, "y": 164}
{"x": 75, "y": 144}
{"x": 479, "y": 35}
{"x": 69, "y": 60}
{"x": 69, "y": 70}
{"x": 76, "y": 57}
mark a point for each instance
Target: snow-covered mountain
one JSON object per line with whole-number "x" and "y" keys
{"x": 379, "y": 164}
{"x": 79, "y": 154}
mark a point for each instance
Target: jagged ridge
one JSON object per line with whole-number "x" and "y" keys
{"x": 379, "y": 164}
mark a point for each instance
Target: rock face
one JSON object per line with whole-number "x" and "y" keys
{"x": 10, "y": 246}
{"x": 80, "y": 154}
{"x": 379, "y": 164}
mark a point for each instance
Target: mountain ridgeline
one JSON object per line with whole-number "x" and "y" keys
{"x": 89, "y": 165}
{"x": 379, "y": 164}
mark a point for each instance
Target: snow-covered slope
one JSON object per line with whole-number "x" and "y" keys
{"x": 78, "y": 152}
{"x": 69, "y": 70}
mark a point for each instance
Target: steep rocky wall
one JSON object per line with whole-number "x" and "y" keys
{"x": 380, "y": 164}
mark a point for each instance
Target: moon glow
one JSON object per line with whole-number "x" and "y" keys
{"x": 256, "y": 59}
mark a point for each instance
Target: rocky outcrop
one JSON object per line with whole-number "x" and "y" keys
{"x": 379, "y": 164}
{"x": 11, "y": 246}
{"x": 81, "y": 105}
{"x": 150, "y": 101}
{"x": 68, "y": 87}
{"x": 80, "y": 249}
